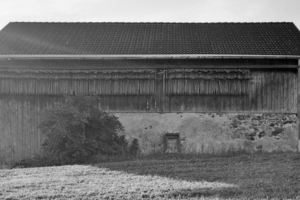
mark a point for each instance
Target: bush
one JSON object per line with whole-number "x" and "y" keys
{"x": 77, "y": 129}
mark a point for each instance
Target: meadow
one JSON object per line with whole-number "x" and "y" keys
{"x": 242, "y": 176}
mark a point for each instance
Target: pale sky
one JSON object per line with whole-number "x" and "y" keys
{"x": 150, "y": 11}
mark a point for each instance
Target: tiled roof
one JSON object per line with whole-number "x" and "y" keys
{"x": 34, "y": 38}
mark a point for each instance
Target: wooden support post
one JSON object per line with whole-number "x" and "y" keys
{"x": 298, "y": 104}
{"x": 159, "y": 90}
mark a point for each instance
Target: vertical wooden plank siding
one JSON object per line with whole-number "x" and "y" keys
{"x": 260, "y": 91}
{"x": 298, "y": 104}
{"x": 20, "y": 117}
{"x": 159, "y": 79}
{"x": 24, "y": 95}
{"x": 164, "y": 90}
{"x": 266, "y": 92}
{"x": 281, "y": 93}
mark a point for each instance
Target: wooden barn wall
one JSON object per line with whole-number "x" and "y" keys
{"x": 20, "y": 116}
{"x": 164, "y": 90}
{"x": 120, "y": 90}
{"x": 26, "y": 93}
{"x": 232, "y": 91}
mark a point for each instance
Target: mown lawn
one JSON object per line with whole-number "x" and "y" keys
{"x": 256, "y": 175}
{"x": 242, "y": 176}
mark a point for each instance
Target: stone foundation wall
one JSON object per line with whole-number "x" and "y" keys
{"x": 213, "y": 133}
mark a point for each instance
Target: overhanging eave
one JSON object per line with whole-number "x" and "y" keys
{"x": 148, "y": 56}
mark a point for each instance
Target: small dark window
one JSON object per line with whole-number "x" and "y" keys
{"x": 171, "y": 143}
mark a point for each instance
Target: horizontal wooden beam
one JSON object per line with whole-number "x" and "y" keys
{"x": 219, "y": 112}
{"x": 150, "y": 64}
{"x": 95, "y": 67}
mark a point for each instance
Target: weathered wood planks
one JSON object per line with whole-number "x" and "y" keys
{"x": 165, "y": 90}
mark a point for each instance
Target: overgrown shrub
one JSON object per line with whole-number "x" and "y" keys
{"x": 77, "y": 129}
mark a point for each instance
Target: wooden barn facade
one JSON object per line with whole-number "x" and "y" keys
{"x": 186, "y": 87}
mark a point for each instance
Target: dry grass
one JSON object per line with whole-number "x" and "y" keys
{"x": 87, "y": 182}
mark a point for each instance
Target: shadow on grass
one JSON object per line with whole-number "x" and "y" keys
{"x": 205, "y": 189}
{"x": 256, "y": 175}
{"x": 196, "y": 193}
{"x": 192, "y": 168}
{"x": 225, "y": 192}
{"x": 178, "y": 166}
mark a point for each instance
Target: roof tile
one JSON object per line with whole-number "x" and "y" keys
{"x": 35, "y": 38}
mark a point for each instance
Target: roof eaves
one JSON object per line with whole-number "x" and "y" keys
{"x": 149, "y": 56}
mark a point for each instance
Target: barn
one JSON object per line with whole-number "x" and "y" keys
{"x": 176, "y": 87}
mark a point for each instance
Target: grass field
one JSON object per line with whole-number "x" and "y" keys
{"x": 242, "y": 176}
